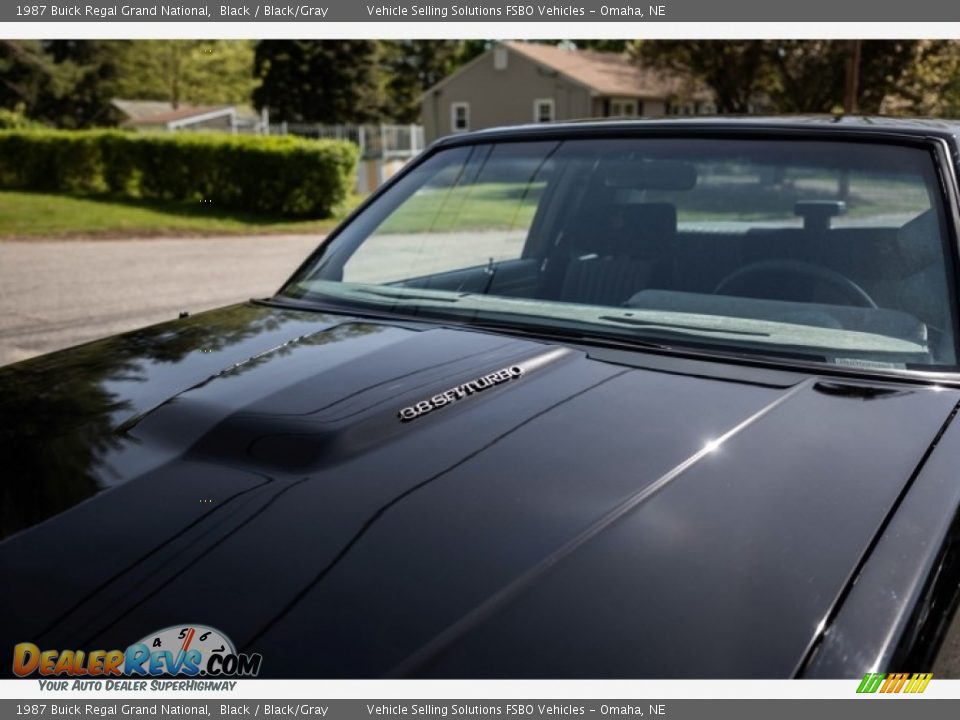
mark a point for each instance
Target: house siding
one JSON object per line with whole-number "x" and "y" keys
{"x": 218, "y": 123}
{"x": 503, "y": 97}
{"x": 654, "y": 107}
{"x": 221, "y": 123}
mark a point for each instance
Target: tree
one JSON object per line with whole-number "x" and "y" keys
{"x": 932, "y": 86}
{"x": 87, "y": 70}
{"x": 328, "y": 81}
{"x": 803, "y": 76}
{"x": 192, "y": 72}
{"x": 69, "y": 83}
{"x": 469, "y": 49}
{"x": 811, "y": 75}
{"x": 60, "y": 82}
{"x": 736, "y": 70}
{"x": 614, "y": 46}
{"x": 24, "y": 71}
{"x": 412, "y": 66}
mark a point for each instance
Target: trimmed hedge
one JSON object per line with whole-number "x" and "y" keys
{"x": 16, "y": 120}
{"x": 278, "y": 175}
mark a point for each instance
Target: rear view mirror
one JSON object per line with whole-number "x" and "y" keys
{"x": 649, "y": 174}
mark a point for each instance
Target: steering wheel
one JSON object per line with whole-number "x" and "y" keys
{"x": 773, "y": 279}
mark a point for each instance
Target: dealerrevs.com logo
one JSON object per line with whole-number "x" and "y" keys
{"x": 181, "y": 650}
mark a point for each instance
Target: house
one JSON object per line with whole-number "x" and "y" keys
{"x": 158, "y": 115}
{"x": 521, "y": 82}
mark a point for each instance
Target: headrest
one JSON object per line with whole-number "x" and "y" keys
{"x": 919, "y": 242}
{"x": 652, "y": 220}
{"x": 649, "y": 174}
{"x": 624, "y": 228}
{"x": 639, "y": 228}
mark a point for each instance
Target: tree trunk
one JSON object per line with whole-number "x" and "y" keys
{"x": 852, "y": 95}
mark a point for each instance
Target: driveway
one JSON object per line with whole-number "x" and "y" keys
{"x": 54, "y": 294}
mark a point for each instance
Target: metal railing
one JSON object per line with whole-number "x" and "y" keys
{"x": 375, "y": 141}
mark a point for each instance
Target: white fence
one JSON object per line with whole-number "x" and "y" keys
{"x": 384, "y": 149}
{"x": 384, "y": 142}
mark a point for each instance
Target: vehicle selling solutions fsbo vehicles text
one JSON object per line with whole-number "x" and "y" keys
{"x": 443, "y": 11}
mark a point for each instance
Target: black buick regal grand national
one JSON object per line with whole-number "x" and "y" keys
{"x": 628, "y": 400}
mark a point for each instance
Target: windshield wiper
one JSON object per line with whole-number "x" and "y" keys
{"x": 557, "y": 334}
{"x": 405, "y": 295}
{"x": 565, "y": 334}
{"x": 688, "y": 346}
{"x": 679, "y": 326}
{"x": 409, "y": 295}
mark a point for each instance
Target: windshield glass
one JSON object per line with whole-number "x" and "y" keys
{"x": 827, "y": 251}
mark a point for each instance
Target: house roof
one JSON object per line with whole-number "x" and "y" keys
{"x": 136, "y": 109}
{"x": 154, "y": 112}
{"x": 608, "y": 73}
{"x": 191, "y": 112}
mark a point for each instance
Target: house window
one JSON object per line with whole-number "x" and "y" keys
{"x": 459, "y": 117}
{"x": 623, "y": 108}
{"x": 499, "y": 58}
{"x": 544, "y": 110}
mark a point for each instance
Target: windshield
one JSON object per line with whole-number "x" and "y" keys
{"x": 827, "y": 251}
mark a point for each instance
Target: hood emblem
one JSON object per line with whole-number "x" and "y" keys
{"x": 484, "y": 382}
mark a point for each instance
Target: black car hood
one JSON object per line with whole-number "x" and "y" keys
{"x": 247, "y": 469}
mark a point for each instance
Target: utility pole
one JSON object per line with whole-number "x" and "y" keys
{"x": 850, "y": 99}
{"x": 850, "y": 105}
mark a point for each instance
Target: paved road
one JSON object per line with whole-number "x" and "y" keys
{"x": 54, "y": 294}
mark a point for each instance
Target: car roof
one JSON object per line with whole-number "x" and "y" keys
{"x": 856, "y": 124}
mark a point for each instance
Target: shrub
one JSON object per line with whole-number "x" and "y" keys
{"x": 16, "y": 120}
{"x": 283, "y": 175}
{"x": 49, "y": 160}
{"x": 121, "y": 167}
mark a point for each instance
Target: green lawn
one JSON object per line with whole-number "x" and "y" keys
{"x": 27, "y": 215}
{"x": 481, "y": 206}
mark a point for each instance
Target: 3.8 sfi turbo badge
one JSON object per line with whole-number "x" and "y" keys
{"x": 484, "y": 382}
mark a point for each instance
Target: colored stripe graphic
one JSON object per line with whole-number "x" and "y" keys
{"x": 891, "y": 683}
{"x": 919, "y": 682}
